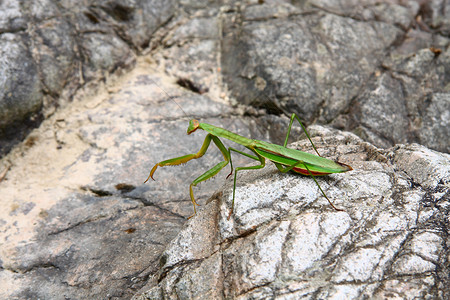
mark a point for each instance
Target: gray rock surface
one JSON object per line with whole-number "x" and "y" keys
{"x": 336, "y": 62}
{"x": 50, "y": 49}
{"x": 83, "y": 216}
{"x": 365, "y": 66}
{"x": 21, "y": 90}
{"x": 285, "y": 242}
{"x": 76, "y": 209}
{"x": 79, "y": 223}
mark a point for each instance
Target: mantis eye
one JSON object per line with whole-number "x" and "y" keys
{"x": 193, "y": 125}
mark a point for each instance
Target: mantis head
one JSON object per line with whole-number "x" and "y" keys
{"x": 193, "y": 125}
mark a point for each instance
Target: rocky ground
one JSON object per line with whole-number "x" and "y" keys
{"x": 79, "y": 222}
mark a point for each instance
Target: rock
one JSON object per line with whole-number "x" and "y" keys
{"x": 435, "y": 122}
{"x": 321, "y": 59}
{"x": 84, "y": 216}
{"x": 50, "y": 51}
{"x": 285, "y": 241}
{"x": 296, "y": 55}
{"x": 20, "y": 87}
{"x": 359, "y": 67}
{"x": 79, "y": 222}
{"x": 104, "y": 54}
{"x": 54, "y": 53}
{"x": 11, "y": 17}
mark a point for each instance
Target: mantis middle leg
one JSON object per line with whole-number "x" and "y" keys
{"x": 260, "y": 166}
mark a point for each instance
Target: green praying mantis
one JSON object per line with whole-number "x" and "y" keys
{"x": 285, "y": 159}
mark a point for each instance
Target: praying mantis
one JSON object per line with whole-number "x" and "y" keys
{"x": 285, "y": 159}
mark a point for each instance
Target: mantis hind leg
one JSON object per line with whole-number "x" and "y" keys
{"x": 287, "y": 169}
{"x": 294, "y": 116}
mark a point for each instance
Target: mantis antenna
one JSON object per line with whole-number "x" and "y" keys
{"x": 171, "y": 98}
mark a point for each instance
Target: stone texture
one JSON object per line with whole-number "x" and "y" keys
{"x": 83, "y": 216}
{"x": 78, "y": 221}
{"x": 285, "y": 242}
{"x": 50, "y": 49}
{"x": 20, "y": 87}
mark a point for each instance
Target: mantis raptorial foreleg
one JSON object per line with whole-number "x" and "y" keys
{"x": 205, "y": 176}
{"x": 184, "y": 159}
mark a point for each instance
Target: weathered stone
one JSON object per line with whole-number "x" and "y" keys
{"x": 285, "y": 241}
{"x": 11, "y": 17}
{"x": 313, "y": 62}
{"x": 20, "y": 86}
{"x": 435, "y": 129}
{"x": 54, "y": 52}
{"x": 78, "y": 221}
{"x": 385, "y": 96}
{"x": 84, "y": 216}
{"x": 56, "y": 49}
{"x": 104, "y": 53}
